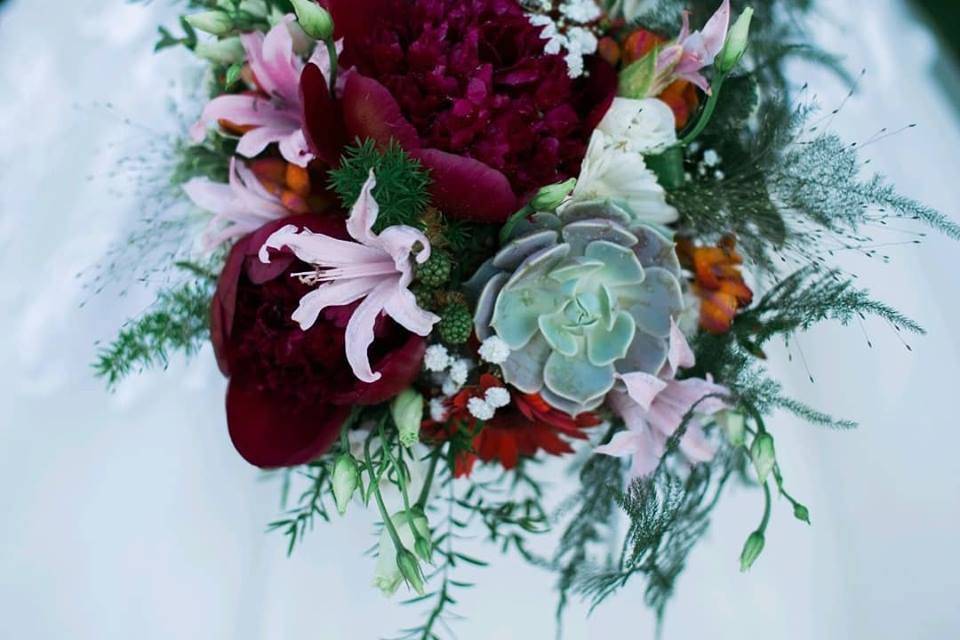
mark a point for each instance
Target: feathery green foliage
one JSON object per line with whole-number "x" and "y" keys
{"x": 177, "y": 321}
{"x": 211, "y": 159}
{"x": 402, "y": 182}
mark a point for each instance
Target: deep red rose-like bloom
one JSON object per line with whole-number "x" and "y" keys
{"x": 523, "y": 428}
{"x": 465, "y": 87}
{"x": 291, "y": 390}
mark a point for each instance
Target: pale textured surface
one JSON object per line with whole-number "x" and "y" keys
{"x": 130, "y": 516}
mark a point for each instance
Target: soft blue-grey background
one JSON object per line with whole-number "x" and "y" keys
{"x": 130, "y": 516}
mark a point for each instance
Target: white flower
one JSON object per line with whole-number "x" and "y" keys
{"x": 480, "y": 409}
{"x": 711, "y": 158}
{"x": 497, "y": 397}
{"x": 450, "y": 387}
{"x": 494, "y": 350}
{"x": 719, "y": 175}
{"x": 437, "y": 359}
{"x": 460, "y": 370}
{"x": 610, "y": 172}
{"x": 645, "y": 126}
{"x": 438, "y": 409}
{"x": 582, "y": 11}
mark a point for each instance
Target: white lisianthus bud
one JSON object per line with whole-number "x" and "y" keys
{"x": 389, "y": 573}
{"x": 226, "y": 51}
{"x": 736, "y": 44}
{"x": 734, "y": 425}
{"x": 751, "y": 550}
{"x": 763, "y": 455}
{"x": 346, "y": 480}
{"x": 314, "y": 19}
{"x": 407, "y": 412}
{"x": 216, "y": 22}
{"x": 256, "y": 8}
{"x": 552, "y": 196}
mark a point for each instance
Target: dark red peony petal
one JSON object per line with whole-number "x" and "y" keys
{"x": 224, "y": 304}
{"x": 321, "y": 116}
{"x": 399, "y": 368}
{"x": 270, "y": 434}
{"x": 352, "y": 18}
{"x": 370, "y": 111}
{"x": 598, "y": 92}
{"x": 467, "y": 189}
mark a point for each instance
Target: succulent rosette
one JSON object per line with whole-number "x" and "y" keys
{"x": 582, "y": 297}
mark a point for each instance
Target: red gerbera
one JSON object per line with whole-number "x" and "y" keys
{"x": 523, "y": 428}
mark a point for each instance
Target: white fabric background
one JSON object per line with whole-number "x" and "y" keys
{"x": 130, "y": 516}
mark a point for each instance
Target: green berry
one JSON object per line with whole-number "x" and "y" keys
{"x": 434, "y": 272}
{"x": 456, "y": 324}
{"x": 425, "y": 297}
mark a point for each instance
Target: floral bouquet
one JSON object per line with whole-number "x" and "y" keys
{"x": 446, "y": 240}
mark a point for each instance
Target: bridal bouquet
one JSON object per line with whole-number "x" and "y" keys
{"x": 445, "y": 241}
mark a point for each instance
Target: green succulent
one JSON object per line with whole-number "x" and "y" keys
{"x": 580, "y": 296}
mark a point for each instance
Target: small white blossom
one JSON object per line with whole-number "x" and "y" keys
{"x": 497, "y": 397}
{"x": 711, "y": 158}
{"x": 450, "y": 387}
{"x": 582, "y": 11}
{"x": 437, "y": 358}
{"x": 480, "y": 409}
{"x": 460, "y": 370}
{"x": 438, "y": 409}
{"x": 719, "y": 175}
{"x": 494, "y": 350}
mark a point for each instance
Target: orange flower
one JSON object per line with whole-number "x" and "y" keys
{"x": 718, "y": 281}
{"x": 293, "y": 185}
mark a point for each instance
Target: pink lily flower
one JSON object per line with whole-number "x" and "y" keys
{"x": 376, "y": 269}
{"x": 691, "y": 52}
{"x": 653, "y": 408}
{"x": 239, "y": 207}
{"x": 275, "y": 115}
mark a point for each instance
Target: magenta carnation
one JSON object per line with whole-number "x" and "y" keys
{"x": 472, "y": 79}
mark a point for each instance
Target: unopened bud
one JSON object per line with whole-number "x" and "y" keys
{"x": 763, "y": 455}
{"x": 407, "y": 412}
{"x": 638, "y": 78}
{"x": 410, "y": 570}
{"x": 552, "y": 196}
{"x": 256, "y": 8}
{"x": 216, "y": 22}
{"x": 734, "y": 425}
{"x": 736, "y": 44}
{"x": 314, "y": 19}
{"x": 751, "y": 550}
{"x": 346, "y": 479}
{"x": 226, "y": 51}
{"x": 801, "y": 513}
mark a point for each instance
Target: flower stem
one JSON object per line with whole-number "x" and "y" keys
{"x": 332, "y": 51}
{"x": 513, "y": 221}
{"x": 707, "y": 112}
{"x": 766, "y": 508}
{"x": 375, "y": 486}
{"x": 425, "y": 490}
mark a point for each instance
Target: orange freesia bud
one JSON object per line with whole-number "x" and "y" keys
{"x": 272, "y": 174}
{"x": 298, "y": 180}
{"x": 609, "y": 50}
{"x": 717, "y": 281}
{"x": 638, "y": 44}
{"x": 683, "y": 99}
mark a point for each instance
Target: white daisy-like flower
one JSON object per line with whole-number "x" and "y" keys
{"x": 494, "y": 350}
{"x": 480, "y": 409}
{"x": 438, "y": 409}
{"x": 437, "y": 359}
{"x": 497, "y": 397}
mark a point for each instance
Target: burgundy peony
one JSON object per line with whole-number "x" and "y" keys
{"x": 464, "y": 86}
{"x": 290, "y": 391}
